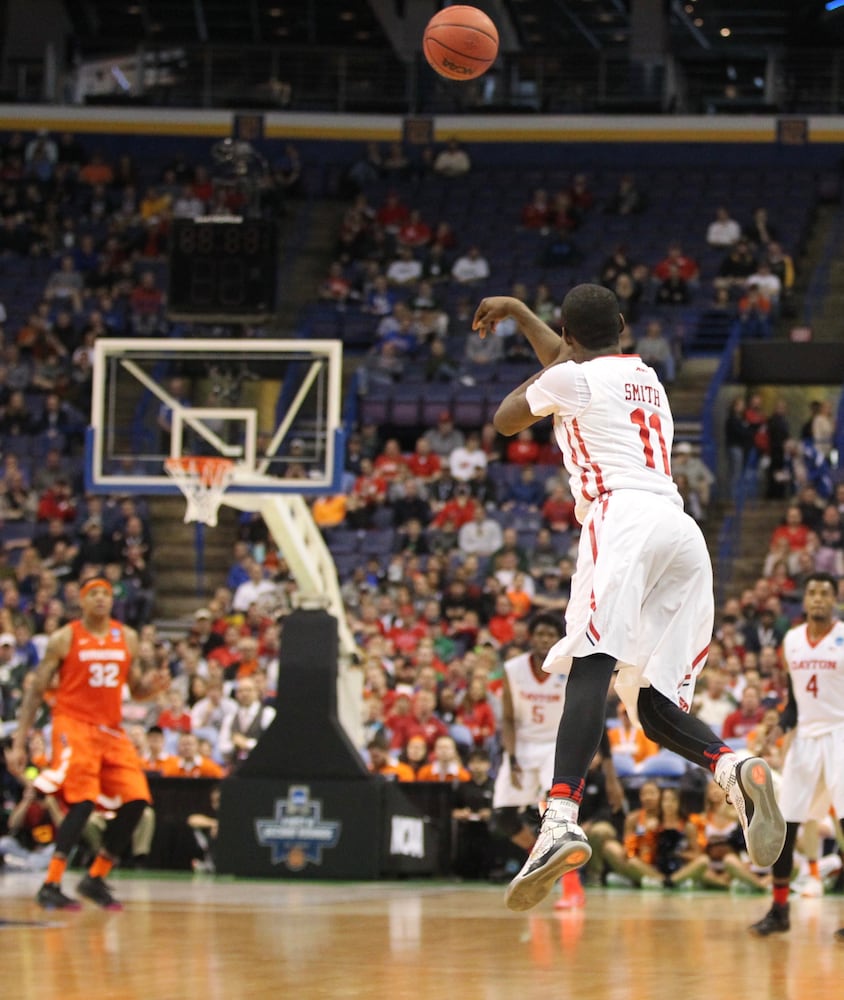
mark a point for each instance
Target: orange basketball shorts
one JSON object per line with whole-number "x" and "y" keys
{"x": 93, "y": 763}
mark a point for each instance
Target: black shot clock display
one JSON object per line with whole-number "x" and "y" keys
{"x": 223, "y": 268}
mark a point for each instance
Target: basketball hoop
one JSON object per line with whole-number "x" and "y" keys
{"x": 203, "y": 480}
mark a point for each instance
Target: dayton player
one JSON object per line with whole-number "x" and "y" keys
{"x": 642, "y": 591}
{"x": 813, "y": 773}
{"x": 93, "y": 759}
{"x": 532, "y": 703}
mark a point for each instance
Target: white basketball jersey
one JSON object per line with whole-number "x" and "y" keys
{"x": 613, "y": 424}
{"x": 817, "y": 676}
{"x": 537, "y": 705}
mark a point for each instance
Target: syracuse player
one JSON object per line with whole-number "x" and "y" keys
{"x": 87, "y": 662}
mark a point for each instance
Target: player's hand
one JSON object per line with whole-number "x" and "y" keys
{"x": 516, "y": 775}
{"x": 157, "y": 680}
{"x": 491, "y": 310}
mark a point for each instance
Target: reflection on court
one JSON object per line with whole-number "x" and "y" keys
{"x": 216, "y": 938}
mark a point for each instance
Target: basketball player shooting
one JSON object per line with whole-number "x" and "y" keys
{"x": 642, "y": 591}
{"x": 93, "y": 759}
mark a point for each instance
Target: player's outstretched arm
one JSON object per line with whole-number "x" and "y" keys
{"x": 514, "y": 412}
{"x": 544, "y": 341}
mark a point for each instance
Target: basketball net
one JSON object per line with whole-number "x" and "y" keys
{"x": 203, "y": 480}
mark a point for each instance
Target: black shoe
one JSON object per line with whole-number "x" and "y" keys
{"x": 51, "y": 897}
{"x": 839, "y": 935}
{"x": 98, "y": 892}
{"x": 775, "y": 921}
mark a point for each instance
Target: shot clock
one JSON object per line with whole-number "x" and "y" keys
{"x": 223, "y": 268}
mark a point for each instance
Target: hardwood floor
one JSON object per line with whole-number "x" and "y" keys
{"x": 206, "y": 938}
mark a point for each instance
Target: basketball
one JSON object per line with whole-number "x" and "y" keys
{"x": 460, "y": 42}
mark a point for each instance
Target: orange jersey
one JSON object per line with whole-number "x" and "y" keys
{"x": 92, "y": 675}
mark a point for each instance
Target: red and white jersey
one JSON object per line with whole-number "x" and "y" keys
{"x": 613, "y": 424}
{"x": 817, "y": 677}
{"x": 537, "y": 704}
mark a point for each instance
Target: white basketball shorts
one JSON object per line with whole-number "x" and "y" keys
{"x": 537, "y": 763}
{"x": 813, "y": 777}
{"x": 642, "y": 593}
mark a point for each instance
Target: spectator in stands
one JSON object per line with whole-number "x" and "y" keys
{"x": 414, "y": 232}
{"x": 746, "y": 717}
{"x": 678, "y": 264}
{"x": 536, "y": 213}
{"x": 57, "y": 502}
{"x": 451, "y": 517}
{"x": 724, "y": 231}
{"x": 444, "y": 437}
{"x": 96, "y": 171}
{"x": 524, "y": 494}
{"x": 564, "y": 217}
{"x": 65, "y": 286}
{"x": 701, "y": 479}
{"x": 712, "y": 702}
{"x": 175, "y": 715}
{"x": 241, "y": 731}
{"x": 829, "y": 557}
{"x": 335, "y": 287}
{"x": 627, "y": 199}
{"x": 471, "y": 267}
{"x": 146, "y": 301}
{"x": 465, "y": 459}
{"x": 60, "y": 422}
{"x": 405, "y": 269}
{"x": 673, "y": 289}
{"x": 627, "y": 738}
{"x": 453, "y": 161}
{"x": 157, "y": 757}
{"x": 558, "y": 511}
{"x": 629, "y": 294}
{"x": 258, "y": 590}
{"x": 210, "y": 712}
{"x": 544, "y": 304}
{"x": 738, "y": 439}
{"x": 634, "y": 858}
{"x": 793, "y": 529}
{"x": 656, "y": 350}
{"x": 823, "y": 429}
{"x": 203, "y": 631}
{"x": 445, "y": 765}
{"x": 523, "y": 449}
{"x": 382, "y": 763}
{"x": 782, "y": 266}
{"x": 481, "y": 536}
{"x": 736, "y": 267}
{"x": 437, "y": 363}
{"x": 189, "y": 762}
{"x": 759, "y": 232}
{"x": 766, "y": 282}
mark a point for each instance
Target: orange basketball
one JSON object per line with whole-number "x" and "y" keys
{"x": 460, "y": 42}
